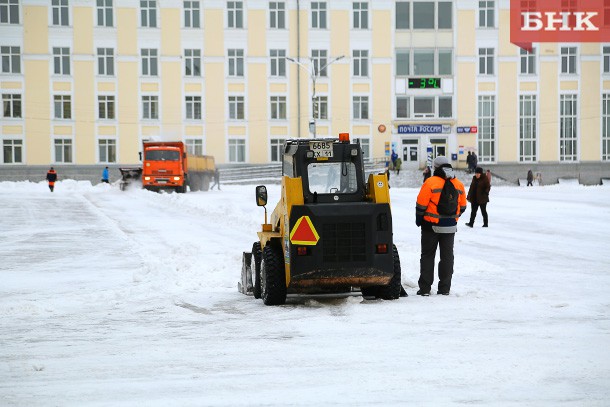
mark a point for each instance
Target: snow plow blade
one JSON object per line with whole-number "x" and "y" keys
{"x": 245, "y": 285}
{"x": 129, "y": 175}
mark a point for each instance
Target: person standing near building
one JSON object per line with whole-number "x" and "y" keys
{"x": 478, "y": 196}
{"x": 51, "y": 178}
{"x": 438, "y": 230}
{"x": 469, "y": 162}
{"x": 530, "y": 178}
{"x": 105, "y": 177}
{"x": 394, "y": 157}
{"x": 216, "y": 180}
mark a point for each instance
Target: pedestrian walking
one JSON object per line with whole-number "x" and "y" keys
{"x": 435, "y": 200}
{"x": 478, "y": 196}
{"x": 394, "y": 157}
{"x": 51, "y": 178}
{"x": 475, "y": 161}
{"x": 469, "y": 162}
{"x": 105, "y": 177}
{"x": 397, "y": 165}
{"x": 530, "y": 178}
{"x": 427, "y": 173}
{"x": 216, "y": 180}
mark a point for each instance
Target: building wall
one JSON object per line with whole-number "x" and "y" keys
{"x": 36, "y": 35}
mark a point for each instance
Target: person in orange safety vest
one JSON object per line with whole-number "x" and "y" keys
{"x": 51, "y": 177}
{"x": 437, "y": 230}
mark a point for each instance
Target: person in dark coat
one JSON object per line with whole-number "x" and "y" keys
{"x": 469, "y": 162}
{"x": 51, "y": 178}
{"x": 530, "y": 178}
{"x": 478, "y": 196}
{"x": 216, "y": 180}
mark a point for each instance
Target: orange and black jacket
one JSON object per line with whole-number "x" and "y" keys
{"x": 51, "y": 176}
{"x": 426, "y": 212}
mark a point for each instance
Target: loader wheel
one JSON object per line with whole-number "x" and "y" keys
{"x": 273, "y": 277}
{"x": 392, "y": 290}
{"x": 255, "y": 266}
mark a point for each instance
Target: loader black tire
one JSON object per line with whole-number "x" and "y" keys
{"x": 392, "y": 290}
{"x": 255, "y": 266}
{"x": 273, "y": 276}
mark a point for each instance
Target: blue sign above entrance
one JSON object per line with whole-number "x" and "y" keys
{"x": 424, "y": 128}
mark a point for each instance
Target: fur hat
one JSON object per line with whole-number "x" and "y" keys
{"x": 478, "y": 170}
{"x": 440, "y": 161}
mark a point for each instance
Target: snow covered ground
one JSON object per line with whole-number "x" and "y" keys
{"x": 129, "y": 298}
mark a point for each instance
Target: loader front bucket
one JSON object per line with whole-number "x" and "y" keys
{"x": 245, "y": 286}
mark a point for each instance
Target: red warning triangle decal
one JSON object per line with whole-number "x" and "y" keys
{"x": 304, "y": 232}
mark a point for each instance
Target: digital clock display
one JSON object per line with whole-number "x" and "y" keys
{"x": 424, "y": 83}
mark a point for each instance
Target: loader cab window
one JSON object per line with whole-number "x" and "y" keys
{"x": 332, "y": 177}
{"x": 162, "y": 155}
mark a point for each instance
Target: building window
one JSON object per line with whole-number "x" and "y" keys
{"x": 61, "y": 61}
{"x": 236, "y": 107}
{"x": 194, "y": 146}
{"x": 361, "y": 63}
{"x": 361, "y": 107}
{"x": 277, "y": 14}
{"x": 319, "y": 59}
{"x": 104, "y": 13}
{"x": 320, "y": 108}
{"x": 423, "y": 15}
{"x": 487, "y": 128}
{"x": 150, "y": 107}
{"x": 149, "y": 62}
{"x": 445, "y": 106}
{"x": 107, "y": 150}
{"x": 606, "y": 127}
{"x": 403, "y": 107}
{"x": 9, "y": 11}
{"x": 277, "y": 145}
{"x": 278, "y": 107}
{"x": 423, "y": 62}
{"x": 445, "y": 15}
{"x": 11, "y": 106}
{"x": 193, "y": 107}
{"x": 318, "y": 14}
{"x": 235, "y": 14}
{"x": 105, "y": 61}
{"x": 487, "y": 17}
{"x": 148, "y": 13}
{"x": 423, "y": 107}
{"x": 568, "y": 128}
{"x": 192, "y": 62}
{"x": 237, "y": 150}
{"x": 11, "y": 59}
{"x": 106, "y": 107}
{"x": 568, "y": 60}
{"x": 403, "y": 62}
{"x": 236, "y": 62}
{"x": 606, "y": 56}
{"x": 278, "y": 62}
{"x": 62, "y": 106}
{"x": 527, "y": 128}
{"x": 13, "y": 151}
{"x": 403, "y": 15}
{"x": 63, "y": 150}
{"x": 60, "y": 12}
{"x": 528, "y": 61}
{"x": 361, "y": 15}
{"x": 445, "y": 62}
{"x": 486, "y": 61}
{"x": 192, "y": 15}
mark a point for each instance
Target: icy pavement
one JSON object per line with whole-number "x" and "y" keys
{"x": 124, "y": 299}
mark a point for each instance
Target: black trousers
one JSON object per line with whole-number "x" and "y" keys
{"x": 430, "y": 240}
{"x": 474, "y": 207}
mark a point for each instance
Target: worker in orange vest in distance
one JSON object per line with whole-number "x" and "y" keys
{"x": 51, "y": 177}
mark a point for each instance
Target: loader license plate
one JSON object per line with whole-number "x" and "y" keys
{"x": 321, "y": 149}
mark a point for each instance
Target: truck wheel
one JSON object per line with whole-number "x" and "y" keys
{"x": 255, "y": 266}
{"x": 273, "y": 277}
{"x": 392, "y": 290}
{"x": 205, "y": 182}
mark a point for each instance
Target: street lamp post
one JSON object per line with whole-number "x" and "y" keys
{"x": 314, "y": 76}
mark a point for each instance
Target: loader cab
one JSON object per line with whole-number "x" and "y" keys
{"x": 332, "y": 170}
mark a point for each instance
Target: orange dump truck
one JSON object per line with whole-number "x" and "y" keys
{"x": 167, "y": 165}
